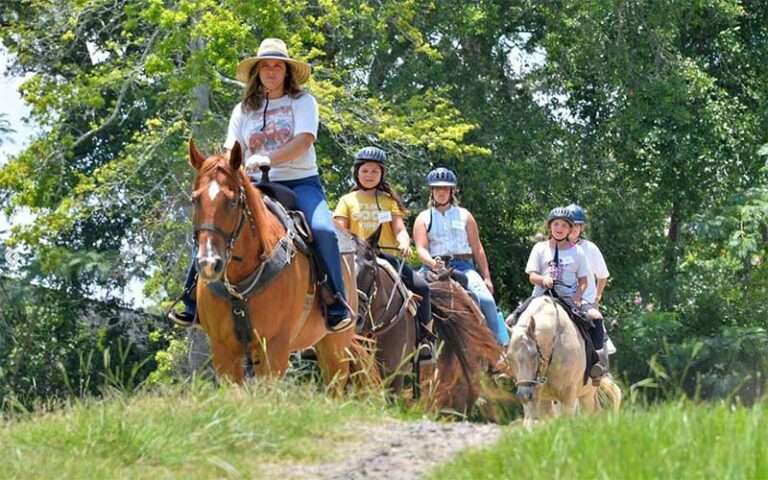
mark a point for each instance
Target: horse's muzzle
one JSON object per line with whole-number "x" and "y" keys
{"x": 524, "y": 393}
{"x": 210, "y": 268}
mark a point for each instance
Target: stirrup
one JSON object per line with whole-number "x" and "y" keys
{"x": 425, "y": 352}
{"x": 596, "y": 373}
{"x": 182, "y": 319}
{"x": 342, "y": 325}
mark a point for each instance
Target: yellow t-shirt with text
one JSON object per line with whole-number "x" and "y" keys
{"x": 364, "y": 216}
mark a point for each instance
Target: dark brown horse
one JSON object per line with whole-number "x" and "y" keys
{"x": 467, "y": 351}
{"x": 236, "y": 234}
{"x": 387, "y": 313}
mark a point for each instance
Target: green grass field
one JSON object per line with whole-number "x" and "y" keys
{"x": 198, "y": 433}
{"x": 669, "y": 442}
{"x": 251, "y": 432}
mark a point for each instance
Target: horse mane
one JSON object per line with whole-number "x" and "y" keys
{"x": 461, "y": 326}
{"x": 269, "y": 231}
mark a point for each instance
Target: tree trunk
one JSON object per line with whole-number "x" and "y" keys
{"x": 668, "y": 294}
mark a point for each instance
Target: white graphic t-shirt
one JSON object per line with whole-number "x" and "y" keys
{"x": 572, "y": 264}
{"x": 286, "y": 117}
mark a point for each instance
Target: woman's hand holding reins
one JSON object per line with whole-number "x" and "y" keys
{"x": 548, "y": 282}
{"x": 257, "y": 161}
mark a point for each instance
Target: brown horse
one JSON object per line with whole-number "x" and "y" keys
{"x": 236, "y": 233}
{"x": 386, "y": 312}
{"x": 467, "y": 350}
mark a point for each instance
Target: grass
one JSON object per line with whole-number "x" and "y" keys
{"x": 672, "y": 441}
{"x": 200, "y": 432}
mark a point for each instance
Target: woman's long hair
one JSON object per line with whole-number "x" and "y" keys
{"x": 383, "y": 186}
{"x": 254, "y": 94}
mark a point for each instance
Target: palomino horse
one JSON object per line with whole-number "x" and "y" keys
{"x": 546, "y": 354}
{"x": 233, "y": 223}
{"x": 387, "y": 316}
{"x": 467, "y": 350}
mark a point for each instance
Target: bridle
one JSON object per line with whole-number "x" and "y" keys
{"x": 230, "y": 238}
{"x": 540, "y": 378}
{"x": 367, "y": 296}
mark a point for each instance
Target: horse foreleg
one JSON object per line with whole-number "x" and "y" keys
{"x": 588, "y": 402}
{"x": 570, "y": 402}
{"x": 228, "y": 361}
{"x": 272, "y": 358}
{"x": 333, "y": 359}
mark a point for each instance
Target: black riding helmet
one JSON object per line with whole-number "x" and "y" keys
{"x": 370, "y": 154}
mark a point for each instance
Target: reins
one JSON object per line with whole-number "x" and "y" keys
{"x": 543, "y": 369}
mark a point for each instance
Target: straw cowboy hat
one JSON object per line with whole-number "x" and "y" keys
{"x": 274, "y": 49}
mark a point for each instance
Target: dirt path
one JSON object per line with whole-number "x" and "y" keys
{"x": 399, "y": 450}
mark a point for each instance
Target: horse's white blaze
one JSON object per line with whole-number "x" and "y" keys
{"x": 213, "y": 190}
{"x": 207, "y": 258}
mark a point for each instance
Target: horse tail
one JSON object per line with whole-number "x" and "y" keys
{"x": 364, "y": 371}
{"x": 608, "y": 389}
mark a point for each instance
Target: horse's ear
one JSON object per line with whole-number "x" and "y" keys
{"x": 532, "y": 328}
{"x": 236, "y": 157}
{"x": 373, "y": 239}
{"x": 195, "y": 157}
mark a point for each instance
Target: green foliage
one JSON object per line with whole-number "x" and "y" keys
{"x": 652, "y": 115}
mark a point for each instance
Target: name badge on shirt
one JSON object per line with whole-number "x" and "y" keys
{"x": 566, "y": 261}
{"x": 385, "y": 217}
{"x": 457, "y": 224}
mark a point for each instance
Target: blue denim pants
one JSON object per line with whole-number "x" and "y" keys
{"x": 311, "y": 202}
{"x": 487, "y": 304}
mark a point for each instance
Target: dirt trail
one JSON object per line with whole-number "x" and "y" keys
{"x": 399, "y": 450}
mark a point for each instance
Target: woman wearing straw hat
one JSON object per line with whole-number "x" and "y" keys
{"x": 276, "y": 123}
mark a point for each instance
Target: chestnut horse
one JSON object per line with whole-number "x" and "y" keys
{"x": 467, "y": 352}
{"x": 236, "y": 233}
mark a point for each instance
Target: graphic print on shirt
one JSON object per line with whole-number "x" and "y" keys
{"x": 368, "y": 217}
{"x": 555, "y": 270}
{"x": 276, "y": 133}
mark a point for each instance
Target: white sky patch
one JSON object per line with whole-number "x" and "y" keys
{"x": 97, "y": 55}
{"x": 213, "y": 190}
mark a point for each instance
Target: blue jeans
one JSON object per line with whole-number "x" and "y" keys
{"x": 311, "y": 202}
{"x": 487, "y": 304}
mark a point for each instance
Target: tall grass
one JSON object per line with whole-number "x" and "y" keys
{"x": 191, "y": 432}
{"x": 678, "y": 440}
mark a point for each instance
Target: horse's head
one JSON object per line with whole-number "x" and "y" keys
{"x": 365, "y": 259}
{"x": 220, "y": 208}
{"x": 524, "y": 357}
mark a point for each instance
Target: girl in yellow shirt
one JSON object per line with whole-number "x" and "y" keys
{"x": 373, "y": 202}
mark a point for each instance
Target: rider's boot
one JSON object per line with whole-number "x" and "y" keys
{"x": 186, "y": 318}
{"x": 596, "y": 373}
{"x": 337, "y": 317}
{"x": 426, "y": 346}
